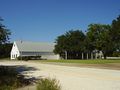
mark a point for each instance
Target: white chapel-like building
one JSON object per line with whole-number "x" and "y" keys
{"x": 25, "y": 48}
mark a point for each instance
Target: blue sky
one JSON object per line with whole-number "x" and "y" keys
{"x": 44, "y": 20}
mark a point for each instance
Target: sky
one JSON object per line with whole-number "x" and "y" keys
{"x": 44, "y": 20}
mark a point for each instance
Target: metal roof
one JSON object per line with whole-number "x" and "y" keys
{"x": 35, "y": 46}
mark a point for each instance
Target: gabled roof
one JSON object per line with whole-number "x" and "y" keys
{"x": 26, "y": 46}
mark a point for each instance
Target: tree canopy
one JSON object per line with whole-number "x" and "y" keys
{"x": 115, "y": 32}
{"x": 101, "y": 37}
{"x": 5, "y": 46}
{"x": 4, "y": 33}
{"x": 72, "y": 42}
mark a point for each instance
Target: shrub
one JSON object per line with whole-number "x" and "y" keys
{"x": 48, "y": 84}
{"x": 5, "y": 87}
{"x": 23, "y": 58}
{"x": 29, "y": 58}
{"x": 116, "y": 54}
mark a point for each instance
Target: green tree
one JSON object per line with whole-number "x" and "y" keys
{"x": 5, "y": 50}
{"x": 5, "y": 46}
{"x": 115, "y": 32}
{"x": 4, "y": 33}
{"x": 98, "y": 38}
{"x": 72, "y": 42}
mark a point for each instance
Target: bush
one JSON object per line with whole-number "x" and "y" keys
{"x": 23, "y": 58}
{"x": 48, "y": 84}
{"x": 5, "y": 50}
{"x": 29, "y": 58}
{"x": 116, "y": 54}
{"x": 5, "y": 87}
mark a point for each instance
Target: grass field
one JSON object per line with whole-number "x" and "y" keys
{"x": 81, "y": 61}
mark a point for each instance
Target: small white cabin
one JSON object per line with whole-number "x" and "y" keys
{"x": 23, "y": 48}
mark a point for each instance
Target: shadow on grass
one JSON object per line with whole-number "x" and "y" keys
{"x": 21, "y": 69}
{"x": 11, "y": 77}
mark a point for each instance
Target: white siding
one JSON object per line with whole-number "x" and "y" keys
{"x": 14, "y": 52}
{"x": 50, "y": 57}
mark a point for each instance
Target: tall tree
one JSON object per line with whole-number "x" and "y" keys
{"x": 115, "y": 32}
{"x": 5, "y": 50}
{"x": 4, "y": 33}
{"x": 72, "y": 42}
{"x": 98, "y": 38}
{"x": 5, "y": 46}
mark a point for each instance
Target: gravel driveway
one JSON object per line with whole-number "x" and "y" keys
{"x": 73, "y": 78}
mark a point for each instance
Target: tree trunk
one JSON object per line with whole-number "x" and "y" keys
{"x": 105, "y": 57}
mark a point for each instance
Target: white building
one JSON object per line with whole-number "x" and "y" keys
{"x": 23, "y": 48}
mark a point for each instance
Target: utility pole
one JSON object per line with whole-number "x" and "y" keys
{"x": 21, "y": 50}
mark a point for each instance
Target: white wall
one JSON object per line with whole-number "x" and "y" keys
{"x": 113, "y": 57}
{"x": 44, "y": 55}
{"x": 14, "y": 52}
{"x": 50, "y": 56}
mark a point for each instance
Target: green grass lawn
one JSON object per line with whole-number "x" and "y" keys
{"x": 81, "y": 61}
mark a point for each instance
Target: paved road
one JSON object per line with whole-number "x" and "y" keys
{"x": 73, "y": 78}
